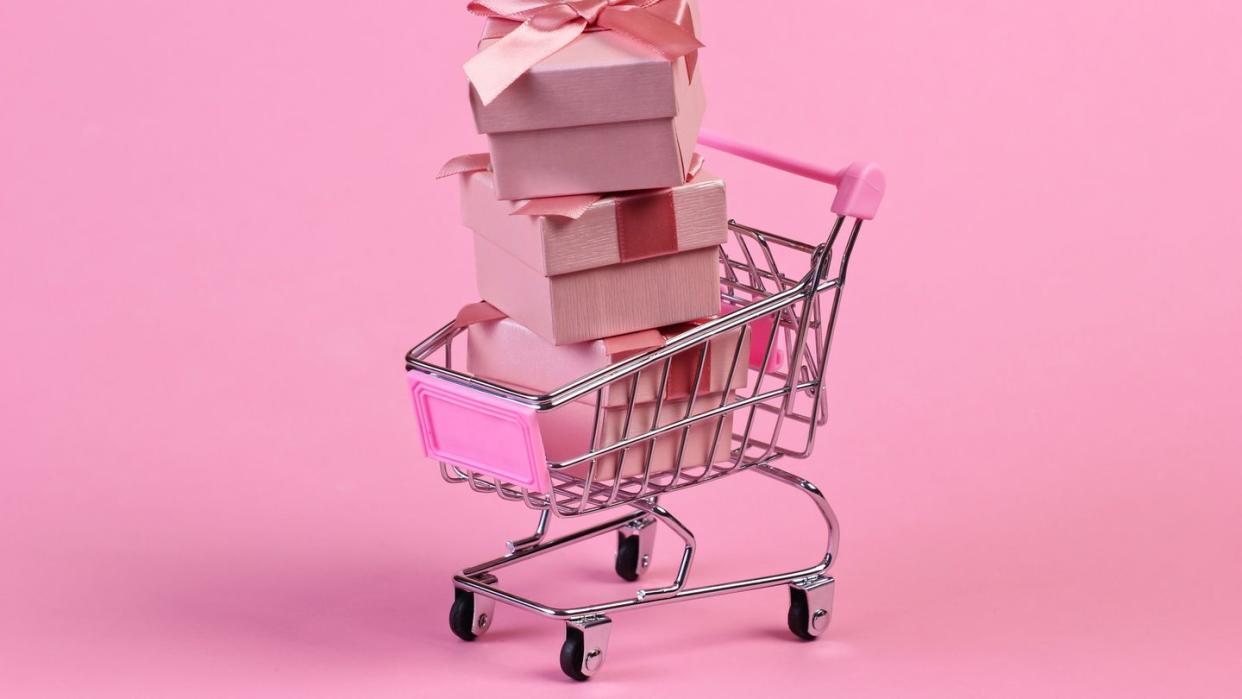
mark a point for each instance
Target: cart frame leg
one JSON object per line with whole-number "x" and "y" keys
{"x": 687, "y": 557}
{"x": 817, "y": 496}
{"x": 541, "y": 530}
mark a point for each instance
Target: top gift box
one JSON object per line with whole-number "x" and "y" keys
{"x": 578, "y": 99}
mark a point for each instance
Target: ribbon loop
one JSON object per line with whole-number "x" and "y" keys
{"x": 471, "y": 162}
{"x": 590, "y": 9}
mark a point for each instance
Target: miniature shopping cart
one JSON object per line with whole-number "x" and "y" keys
{"x": 487, "y": 436}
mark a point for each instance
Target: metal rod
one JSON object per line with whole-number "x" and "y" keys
{"x": 687, "y": 556}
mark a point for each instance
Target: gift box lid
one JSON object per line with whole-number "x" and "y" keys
{"x": 614, "y": 229}
{"x": 600, "y": 77}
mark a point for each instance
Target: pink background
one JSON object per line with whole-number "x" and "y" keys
{"x": 221, "y": 234}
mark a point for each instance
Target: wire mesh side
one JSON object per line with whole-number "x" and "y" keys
{"x": 777, "y": 393}
{"x": 640, "y": 449}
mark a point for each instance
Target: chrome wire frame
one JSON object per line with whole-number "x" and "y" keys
{"x": 801, "y": 314}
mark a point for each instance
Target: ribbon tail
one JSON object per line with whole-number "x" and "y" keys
{"x": 669, "y": 39}
{"x": 571, "y": 207}
{"x": 496, "y": 67}
{"x": 474, "y": 162}
{"x": 646, "y": 225}
{"x": 619, "y": 347}
{"x": 480, "y": 312}
{"x": 696, "y": 165}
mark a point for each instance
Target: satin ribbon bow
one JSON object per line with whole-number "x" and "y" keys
{"x": 547, "y": 27}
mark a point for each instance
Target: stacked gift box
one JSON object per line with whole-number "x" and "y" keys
{"x": 596, "y": 228}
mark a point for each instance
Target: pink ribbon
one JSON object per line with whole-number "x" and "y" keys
{"x": 679, "y": 384}
{"x": 546, "y": 27}
{"x": 481, "y": 312}
{"x": 471, "y": 162}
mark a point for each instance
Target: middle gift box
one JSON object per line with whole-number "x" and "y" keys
{"x": 502, "y": 350}
{"x": 586, "y": 267}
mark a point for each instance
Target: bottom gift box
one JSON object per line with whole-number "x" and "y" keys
{"x": 566, "y": 434}
{"x": 502, "y": 350}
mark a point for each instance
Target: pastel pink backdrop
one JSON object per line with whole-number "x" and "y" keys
{"x": 221, "y": 234}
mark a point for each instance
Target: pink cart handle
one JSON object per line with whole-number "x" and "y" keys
{"x": 860, "y": 187}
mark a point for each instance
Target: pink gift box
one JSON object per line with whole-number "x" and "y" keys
{"x": 567, "y": 434}
{"x": 627, "y": 263}
{"x": 507, "y": 352}
{"x": 603, "y": 114}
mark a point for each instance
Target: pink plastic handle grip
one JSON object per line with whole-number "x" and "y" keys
{"x": 860, "y": 187}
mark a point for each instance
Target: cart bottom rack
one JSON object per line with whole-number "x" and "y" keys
{"x": 587, "y": 628}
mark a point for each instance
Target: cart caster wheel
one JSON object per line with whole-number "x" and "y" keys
{"x": 470, "y": 615}
{"x": 634, "y": 547}
{"x": 810, "y": 607}
{"x": 573, "y": 655}
{"x": 627, "y": 565}
{"x": 586, "y": 644}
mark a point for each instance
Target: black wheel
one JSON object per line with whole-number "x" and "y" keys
{"x": 800, "y": 614}
{"x": 573, "y": 653}
{"x": 627, "y": 564}
{"x": 461, "y": 616}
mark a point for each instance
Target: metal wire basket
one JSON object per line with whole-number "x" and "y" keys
{"x": 776, "y": 332}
